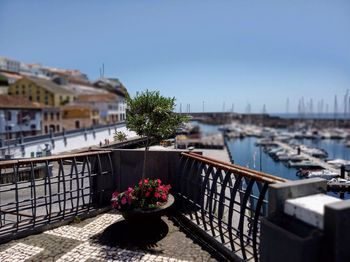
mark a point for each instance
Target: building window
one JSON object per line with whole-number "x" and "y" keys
{"x": 32, "y": 127}
{"x": 30, "y": 98}
{"x": 45, "y": 116}
{"x": 58, "y": 128}
{"x": 37, "y": 98}
{"x": 58, "y": 116}
{"x": 46, "y": 130}
{"x": 77, "y": 124}
{"x": 52, "y": 116}
{"x": 8, "y": 116}
{"x": 52, "y": 129}
{"x": 32, "y": 115}
{"x": 17, "y": 93}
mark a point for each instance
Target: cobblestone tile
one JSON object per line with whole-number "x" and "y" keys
{"x": 84, "y": 233}
{"x": 83, "y": 243}
{"x": 94, "y": 252}
{"x": 19, "y": 252}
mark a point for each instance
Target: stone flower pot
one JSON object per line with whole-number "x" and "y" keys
{"x": 144, "y": 216}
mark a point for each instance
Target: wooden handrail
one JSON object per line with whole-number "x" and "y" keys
{"x": 259, "y": 176}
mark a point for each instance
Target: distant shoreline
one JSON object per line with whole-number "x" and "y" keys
{"x": 312, "y": 116}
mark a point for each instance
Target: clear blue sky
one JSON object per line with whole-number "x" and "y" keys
{"x": 257, "y": 52}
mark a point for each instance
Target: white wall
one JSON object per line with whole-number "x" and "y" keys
{"x": 74, "y": 141}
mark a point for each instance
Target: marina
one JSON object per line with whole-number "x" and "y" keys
{"x": 279, "y": 155}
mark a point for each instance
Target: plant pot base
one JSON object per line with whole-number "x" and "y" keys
{"x": 149, "y": 216}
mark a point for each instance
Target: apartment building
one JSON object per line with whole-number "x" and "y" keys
{"x": 19, "y": 117}
{"x": 42, "y": 90}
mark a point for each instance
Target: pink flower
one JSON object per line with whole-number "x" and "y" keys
{"x": 149, "y": 193}
{"x": 124, "y": 201}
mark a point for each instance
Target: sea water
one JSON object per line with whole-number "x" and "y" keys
{"x": 245, "y": 153}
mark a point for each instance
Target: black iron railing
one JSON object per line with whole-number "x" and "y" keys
{"x": 38, "y": 192}
{"x": 224, "y": 201}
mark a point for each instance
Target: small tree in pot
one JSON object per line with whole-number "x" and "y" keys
{"x": 152, "y": 116}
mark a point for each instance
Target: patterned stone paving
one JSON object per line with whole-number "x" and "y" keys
{"x": 82, "y": 242}
{"x": 19, "y": 252}
{"x": 86, "y": 232}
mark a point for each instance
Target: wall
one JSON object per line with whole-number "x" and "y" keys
{"x": 71, "y": 141}
{"x": 127, "y": 167}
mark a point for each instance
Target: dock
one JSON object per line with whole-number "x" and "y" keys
{"x": 219, "y": 154}
{"x": 316, "y": 160}
{"x": 213, "y": 141}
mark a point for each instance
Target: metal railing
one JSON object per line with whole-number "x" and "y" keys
{"x": 225, "y": 202}
{"x": 221, "y": 200}
{"x": 41, "y": 191}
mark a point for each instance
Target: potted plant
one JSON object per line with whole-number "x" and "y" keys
{"x": 144, "y": 202}
{"x": 119, "y": 136}
{"x": 151, "y": 116}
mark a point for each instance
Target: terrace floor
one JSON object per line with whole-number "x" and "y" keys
{"x": 106, "y": 237}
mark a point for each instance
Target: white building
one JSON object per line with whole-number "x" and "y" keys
{"x": 9, "y": 65}
{"x": 113, "y": 85}
{"x": 19, "y": 117}
{"x": 109, "y": 105}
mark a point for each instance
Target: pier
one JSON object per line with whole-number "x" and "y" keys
{"x": 311, "y": 158}
{"x": 214, "y": 141}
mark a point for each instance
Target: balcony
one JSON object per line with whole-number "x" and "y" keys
{"x": 66, "y": 199}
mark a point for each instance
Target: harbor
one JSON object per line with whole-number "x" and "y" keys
{"x": 283, "y": 154}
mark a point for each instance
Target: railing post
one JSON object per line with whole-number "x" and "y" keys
{"x": 103, "y": 183}
{"x": 284, "y": 238}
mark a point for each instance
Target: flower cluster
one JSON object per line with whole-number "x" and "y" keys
{"x": 148, "y": 193}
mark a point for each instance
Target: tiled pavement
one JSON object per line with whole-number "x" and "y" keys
{"x": 90, "y": 240}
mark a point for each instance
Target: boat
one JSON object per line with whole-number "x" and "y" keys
{"x": 325, "y": 174}
{"x": 338, "y": 162}
{"x": 265, "y": 142}
{"x": 272, "y": 152}
{"x": 303, "y": 164}
{"x": 338, "y": 184}
{"x": 315, "y": 152}
{"x": 292, "y": 157}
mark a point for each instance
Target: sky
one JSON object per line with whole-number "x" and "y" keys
{"x": 214, "y": 55}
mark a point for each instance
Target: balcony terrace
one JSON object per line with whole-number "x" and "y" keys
{"x": 57, "y": 208}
